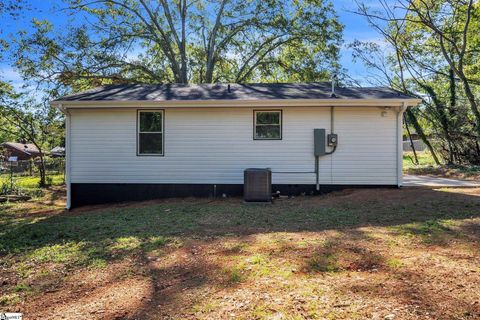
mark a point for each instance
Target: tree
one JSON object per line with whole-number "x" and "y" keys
{"x": 387, "y": 75}
{"x": 432, "y": 55}
{"x": 450, "y": 22}
{"x": 30, "y": 121}
{"x": 167, "y": 41}
{"x": 13, "y": 10}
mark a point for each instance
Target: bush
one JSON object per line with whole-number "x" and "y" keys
{"x": 9, "y": 187}
{"x": 48, "y": 181}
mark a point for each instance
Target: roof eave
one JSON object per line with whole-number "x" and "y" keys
{"x": 238, "y": 103}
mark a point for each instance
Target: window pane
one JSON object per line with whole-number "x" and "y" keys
{"x": 268, "y": 132}
{"x": 150, "y": 121}
{"x": 150, "y": 143}
{"x": 268, "y": 117}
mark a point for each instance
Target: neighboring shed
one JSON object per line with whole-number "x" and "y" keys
{"x": 134, "y": 142}
{"x": 23, "y": 151}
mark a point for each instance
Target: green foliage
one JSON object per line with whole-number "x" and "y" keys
{"x": 425, "y": 159}
{"x": 433, "y": 56}
{"x": 235, "y": 275}
{"x": 32, "y": 182}
{"x": 30, "y": 120}
{"x": 48, "y": 181}
{"x": 193, "y": 41}
{"x": 9, "y": 299}
{"x": 8, "y": 186}
{"x": 28, "y": 186}
{"x": 394, "y": 263}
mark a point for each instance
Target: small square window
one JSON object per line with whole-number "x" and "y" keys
{"x": 267, "y": 125}
{"x": 150, "y": 133}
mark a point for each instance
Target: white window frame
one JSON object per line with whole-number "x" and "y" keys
{"x": 162, "y": 111}
{"x": 280, "y": 119}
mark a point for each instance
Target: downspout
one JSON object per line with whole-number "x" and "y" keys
{"x": 399, "y": 127}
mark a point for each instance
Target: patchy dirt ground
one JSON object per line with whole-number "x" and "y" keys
{"x": 447, "y": 172}
{"x": 427, "y": 166}
{"x": 378, "y": 254}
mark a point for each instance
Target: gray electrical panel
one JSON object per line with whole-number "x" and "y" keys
{"x": 319, "y": 142}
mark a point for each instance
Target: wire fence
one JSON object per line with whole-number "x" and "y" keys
{"x": 24, "y": 168}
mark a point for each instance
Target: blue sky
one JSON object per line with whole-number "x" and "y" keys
{"x": 356, "y": 28}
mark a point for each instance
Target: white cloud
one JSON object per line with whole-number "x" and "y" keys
{"x": 9, "y": 74}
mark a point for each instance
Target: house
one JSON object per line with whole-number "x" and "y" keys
{"x": 135, "y": 142}
{"x": 23, "y": 151}
{"x": 57, "y": 152}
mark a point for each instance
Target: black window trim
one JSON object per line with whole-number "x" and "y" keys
{"x": 138, "y": 133}
{"x": 255, "y": 124}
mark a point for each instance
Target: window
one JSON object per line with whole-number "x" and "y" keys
{"x": 267, "y": 125}
{"x": 150, "y": 133}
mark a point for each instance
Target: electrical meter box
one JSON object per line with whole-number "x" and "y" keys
{"x": 332, "y": 139}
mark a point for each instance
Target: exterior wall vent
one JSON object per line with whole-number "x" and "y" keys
{"x": 257, "y": 185}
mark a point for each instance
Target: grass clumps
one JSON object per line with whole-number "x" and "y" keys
{"x": 22, "y": 287}
{"x": 72, "y": 252}
{"x": 10, "y": 299}
{"x": 235, "y": 274}
{"x": 427, "y": 166}
{"x": 394, "y": 263}
{"x": 323, "y": 263}
{"x": 432, "y": 231}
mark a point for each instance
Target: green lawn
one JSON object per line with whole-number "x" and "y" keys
{"x": 427, "y": 166}
{"x": 350, "y": 255}
{"x": 425, "y": 159}
{"x": 30, "y": 185}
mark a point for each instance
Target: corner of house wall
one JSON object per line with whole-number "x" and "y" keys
{"x": 399, "y": 128}
{"x": 67, "y": 158}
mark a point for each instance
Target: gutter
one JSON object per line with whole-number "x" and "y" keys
{"x": 335, "y": 102}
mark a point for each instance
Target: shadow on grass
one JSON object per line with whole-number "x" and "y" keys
{"x": 420, "y": 210}
{"x": 88, "y": 238}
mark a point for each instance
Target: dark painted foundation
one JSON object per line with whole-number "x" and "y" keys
{"x": 101, "y": 193}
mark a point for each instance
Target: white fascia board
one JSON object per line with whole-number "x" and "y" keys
{"x": 240, "y": 103}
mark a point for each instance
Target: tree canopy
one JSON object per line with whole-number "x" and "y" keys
{"x": 180, "y": 41}
{"x": 434, "y": 54}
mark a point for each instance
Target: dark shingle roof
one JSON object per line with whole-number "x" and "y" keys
{"x": 264, "y": 91}
{"x": 27, "y": 148}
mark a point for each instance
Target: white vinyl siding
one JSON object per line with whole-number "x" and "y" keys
{"x": 215, "y": 145}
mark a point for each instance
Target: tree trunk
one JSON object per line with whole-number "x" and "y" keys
{"x": 444, "y": 120}
{"x": 411, "y": 141}
{"x": 451, "y": 113}
{"x": 413, "y": 120}
{"x": 41, "y": 169}
{"x": 453, "y": 93}
{"x": 184, "y": 45}
{"x": 209, "y": 71}
{"x": 473, "y": 103}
